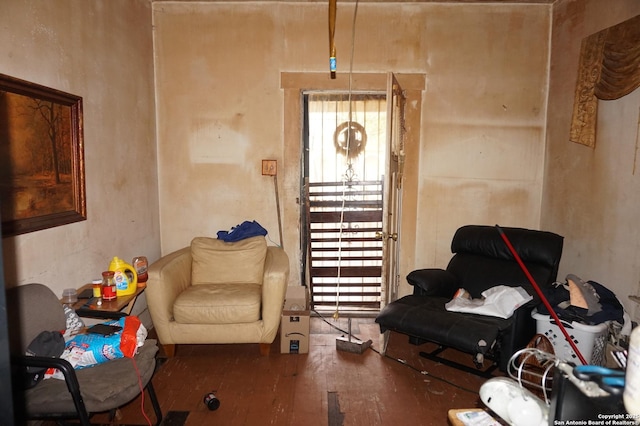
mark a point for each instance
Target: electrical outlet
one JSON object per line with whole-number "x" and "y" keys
{"x": 269, "y": 167}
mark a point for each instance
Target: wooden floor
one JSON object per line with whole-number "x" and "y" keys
{"x": 325, "y": 387}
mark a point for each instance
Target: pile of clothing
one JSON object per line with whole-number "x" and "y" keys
{"x": 586, "y": 302}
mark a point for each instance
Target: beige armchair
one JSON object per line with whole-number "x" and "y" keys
{"x": 218, "y": 292}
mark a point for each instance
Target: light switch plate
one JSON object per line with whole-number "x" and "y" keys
{"x": 269, "y": 167}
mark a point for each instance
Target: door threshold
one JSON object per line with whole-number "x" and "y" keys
{"x": 345, "y": 314}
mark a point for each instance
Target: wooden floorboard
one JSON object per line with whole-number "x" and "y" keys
{"x": 306, "y": 389}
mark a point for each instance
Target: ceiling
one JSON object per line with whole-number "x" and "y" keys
{"x": 371, "y": 1}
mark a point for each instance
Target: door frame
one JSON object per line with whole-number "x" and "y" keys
{"x": 392, "y": 197}
{"x": 293, "y": 84}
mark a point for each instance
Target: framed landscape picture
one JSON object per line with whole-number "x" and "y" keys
{"x": 41, "y": 157}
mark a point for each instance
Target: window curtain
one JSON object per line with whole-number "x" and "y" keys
{"x": 609, "y": 69}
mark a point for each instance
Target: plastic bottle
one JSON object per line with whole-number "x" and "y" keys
{"x": 631, "y": 395}
{"x": 125, "y": 276}
{"x": 211, "y": 401}
{"x": 141, "y": 265}
{"x": 97, "y": 287}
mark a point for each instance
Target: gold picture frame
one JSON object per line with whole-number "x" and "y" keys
{"x": 42, "y": 182}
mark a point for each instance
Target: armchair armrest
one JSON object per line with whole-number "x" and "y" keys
{"x": 168, "y": 277}
{"x": 274, "y": 287}
{"x": 433, "y": 282}
{"x": 67, "y": 371}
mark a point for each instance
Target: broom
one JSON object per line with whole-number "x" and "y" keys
{"x": 552, "y": 312}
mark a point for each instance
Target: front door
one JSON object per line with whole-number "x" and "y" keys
{"x": 344, "y": 168}
{"x": 352, "y": 179}
{"x": 392, "y": 197}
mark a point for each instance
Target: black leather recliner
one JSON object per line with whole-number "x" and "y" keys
{"x": 481, "y": 260}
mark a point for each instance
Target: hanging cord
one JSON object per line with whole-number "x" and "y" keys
{"x": 332, "y": 34}
{"x": 336, "y": 315}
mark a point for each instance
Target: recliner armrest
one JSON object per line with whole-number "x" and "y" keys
{"x": 433, "y": 282}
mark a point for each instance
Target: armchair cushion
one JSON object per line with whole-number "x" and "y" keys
{"x": 427, "y": 316}
{"x": 218, "y": 304}
{"x": 218, "y": 262}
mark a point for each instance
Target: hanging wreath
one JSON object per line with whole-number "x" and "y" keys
{"x": 350, "y": 139}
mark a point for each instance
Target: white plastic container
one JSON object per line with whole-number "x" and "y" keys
{"x": 69, "y": 296}
{"x": 591, "y": 340}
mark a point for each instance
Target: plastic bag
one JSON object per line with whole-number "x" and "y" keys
{"x": 500, "y": 301}
{"x": 86, "y": 350}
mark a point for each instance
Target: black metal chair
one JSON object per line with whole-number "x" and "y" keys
{"x": 481, "y": 260}
{"x": 33, "y": 308}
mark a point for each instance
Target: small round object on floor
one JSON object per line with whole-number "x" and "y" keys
{"x": 211, "y": 401}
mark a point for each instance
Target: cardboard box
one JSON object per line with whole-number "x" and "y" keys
{"x": 294, "y": 332}
{"x": 296, "y": 298}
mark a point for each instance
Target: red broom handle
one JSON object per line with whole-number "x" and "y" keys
{"x": 552, "y": 312}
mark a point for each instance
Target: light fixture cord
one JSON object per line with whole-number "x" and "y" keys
{"x": 332, "y": 34}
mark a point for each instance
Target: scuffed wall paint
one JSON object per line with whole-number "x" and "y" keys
{"x": 479, "y": 151}
{"x": 103, "y": 52}
{"x": 209, "y": 142}
{"x": 591, "y": 196}
{"x": 479, "y": 157}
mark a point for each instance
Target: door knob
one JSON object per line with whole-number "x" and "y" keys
{"x": 384, "y": 236}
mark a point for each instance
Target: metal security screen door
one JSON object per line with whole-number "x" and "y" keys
{"x": 344, "y": 167}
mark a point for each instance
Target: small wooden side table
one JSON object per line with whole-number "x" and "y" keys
{"x": 119, "y": 307}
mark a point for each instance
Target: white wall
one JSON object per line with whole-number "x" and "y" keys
{"x": 592, "y": 195}
{"x": 103, "y": 52}
{"x": 476, "y": 158}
